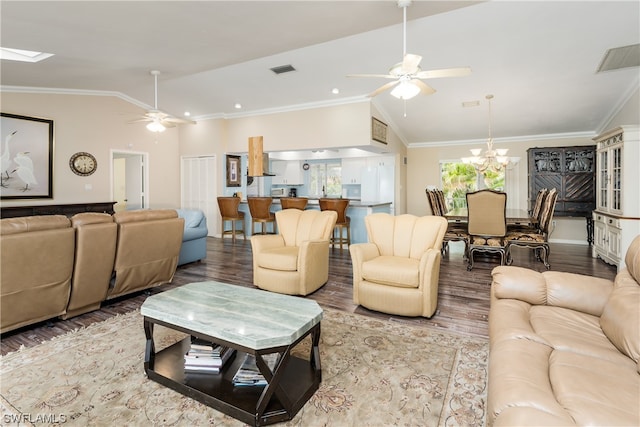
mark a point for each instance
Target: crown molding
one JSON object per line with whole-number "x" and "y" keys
{"x": 62, "y": 91}
{"x": 284, "y": 109}
{"x": 510, "y": 139}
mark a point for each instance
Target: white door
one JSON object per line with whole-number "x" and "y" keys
{"x": 128, "y": 183}
{"x": 134, "y": 188}
{"x": 199, "y": 188}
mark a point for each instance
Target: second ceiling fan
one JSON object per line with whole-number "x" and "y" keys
{"x": 159, "y": 120}
{"x": 407, "y": 74}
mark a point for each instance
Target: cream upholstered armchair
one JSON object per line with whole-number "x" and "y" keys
{"x": 296, "y": 261}
{"x": 397, "y": 272}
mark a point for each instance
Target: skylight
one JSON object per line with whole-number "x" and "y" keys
{"x": 22, "y": 55}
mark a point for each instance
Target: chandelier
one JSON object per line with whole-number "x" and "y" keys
{"x": 494, "y": 160}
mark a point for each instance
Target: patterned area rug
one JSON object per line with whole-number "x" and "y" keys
{"x": 374, "y": 373}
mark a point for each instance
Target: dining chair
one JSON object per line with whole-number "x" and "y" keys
{"x": 456, "y": 231}
{"x": 343, "y": 223}
{"x": 294, "y": 202}
{"x": 487, "y": 224}
{"x": 537, "y": 240}
{"x": 534, "y": 225}
{"x": 260, "y": 209}
{"x": 229, "y": 211}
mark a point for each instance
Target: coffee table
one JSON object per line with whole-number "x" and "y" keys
{"x": 253, "y": 322}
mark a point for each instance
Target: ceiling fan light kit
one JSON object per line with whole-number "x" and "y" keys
{"x": 405, "y": 90}
{"x": 156, "y": 126}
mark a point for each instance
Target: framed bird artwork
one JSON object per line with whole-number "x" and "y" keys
{"x": 27, "y": 157}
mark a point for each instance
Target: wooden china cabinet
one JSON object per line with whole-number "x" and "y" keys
{"x": 617, "y": 213}
{"x": 571, "y": 171}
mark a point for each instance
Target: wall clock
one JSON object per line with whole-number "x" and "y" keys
{"x": 305, "y": 166}
{"x": 83, "y": 164}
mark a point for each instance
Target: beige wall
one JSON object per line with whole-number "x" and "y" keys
{"x": 98, "y": 124}
{"x": 336, "y": 126}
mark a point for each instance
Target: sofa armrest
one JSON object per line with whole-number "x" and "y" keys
{"x": 313, "y": 262}
{"x": 568, "y": 290}
{"x": 360, "y": 252}
{"x": 262, "y": 242}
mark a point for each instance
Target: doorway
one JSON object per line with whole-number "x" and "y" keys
{"x": 129, "y": 180}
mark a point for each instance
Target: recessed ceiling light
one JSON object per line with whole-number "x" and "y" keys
{"x": 187, "y": 114}
{"x": 335, "y": 91}
{"x": 238, "y": 105}
{"x": 22, "y": 55}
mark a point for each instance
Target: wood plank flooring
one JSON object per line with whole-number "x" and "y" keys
{"x": 463, "y": 300}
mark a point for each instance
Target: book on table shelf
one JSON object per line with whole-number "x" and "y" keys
{"x": 206, "y": 357}
{"x": 249, "y": 374}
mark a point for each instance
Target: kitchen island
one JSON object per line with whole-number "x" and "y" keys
{"x": 357, "y": 210}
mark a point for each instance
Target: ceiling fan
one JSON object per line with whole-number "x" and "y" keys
{"x": 407, "y": 74}
{"x": 159, "y": 120}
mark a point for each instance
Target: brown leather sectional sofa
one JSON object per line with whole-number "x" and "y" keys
{"x": 55, "y": 266}
{"x": 565, "y": 348}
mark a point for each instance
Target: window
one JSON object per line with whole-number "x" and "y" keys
{"x": 325, "y": 179}
{"x": 459, "y": 178}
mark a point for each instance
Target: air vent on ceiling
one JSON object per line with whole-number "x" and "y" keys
{"x": 283, "y": 69}
{"x": 620, "y": 57}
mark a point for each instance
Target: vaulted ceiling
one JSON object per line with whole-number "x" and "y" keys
{"x": 539, "y": 58}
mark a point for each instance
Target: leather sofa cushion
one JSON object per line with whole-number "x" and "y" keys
{"x": 87, "y": 218}
{"x": 569, "y": 330}
{"x": 392, "y": 271}
{"x": 282, "y": 258}
{"x": 620, "y": 320}
{"x": 33, "y": 223}
{"x": 123, "y": 217}
{"x": 595, "y": 391}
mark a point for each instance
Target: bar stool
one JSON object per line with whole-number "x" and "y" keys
{"x": 343, "y": 222}
{"x": 260, "y": 213}
{"x": 229, "y": 212}
{"x": 294, "y": 203}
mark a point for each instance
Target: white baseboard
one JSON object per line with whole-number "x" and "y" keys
{"x": 570, "y": 242}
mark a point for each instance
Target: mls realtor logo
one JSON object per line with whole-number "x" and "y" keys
{"x": 34, "y": 418}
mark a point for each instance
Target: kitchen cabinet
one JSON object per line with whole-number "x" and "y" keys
{"x": 617, "y": 215}
{"x": 352, "y": 170}
{"x": 287, "y": 172}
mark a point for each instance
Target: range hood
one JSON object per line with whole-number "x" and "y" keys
{"x": 258, "y": 160}
{"x": 265, "y": 168}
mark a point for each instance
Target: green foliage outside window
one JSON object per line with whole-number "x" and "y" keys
{"x": 458, "y": 179}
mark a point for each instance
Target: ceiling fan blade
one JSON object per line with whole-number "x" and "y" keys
{"x": 144, "y": 119}
{"x": 444, "y": 72}
{"x": 410, "y": 63}
{"x": 383, "y": 76}
{"x": 383, "y": 88}
{"x": 178, "y": 120}
{"x": 167, "y": 124}
{"x": 425, "y": 89}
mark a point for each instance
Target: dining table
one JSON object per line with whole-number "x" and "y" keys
{"x": 513, "y": 216}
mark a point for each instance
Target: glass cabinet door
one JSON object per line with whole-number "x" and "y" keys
{"x": 603, "y": 194}
{"x": 616, "y": 178}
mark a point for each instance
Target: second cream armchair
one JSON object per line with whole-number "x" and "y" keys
{"x": 296, "y": 261}
{"x": 397, "y": 272}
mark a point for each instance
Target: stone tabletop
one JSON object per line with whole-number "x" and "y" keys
{"x": 248, "y": 317}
